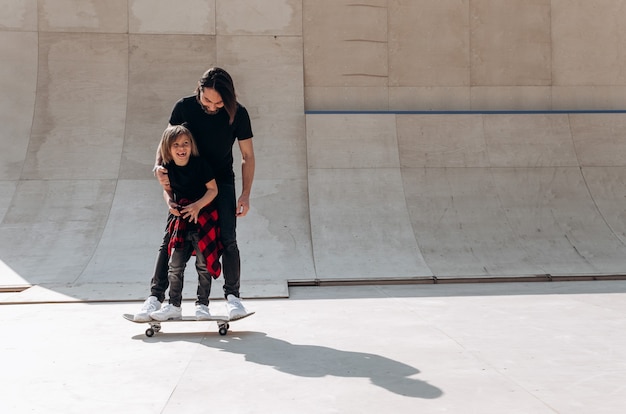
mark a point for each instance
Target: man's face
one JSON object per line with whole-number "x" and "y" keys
{"x": 210, "y": 100}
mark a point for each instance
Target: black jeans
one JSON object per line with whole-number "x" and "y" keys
{"x": 231, "y": 263}
{"x": 176, "y": 274}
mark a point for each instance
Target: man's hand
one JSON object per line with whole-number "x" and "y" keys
{"x": 161, "y": 175}
{"x": 174, "y": 208}
{"x": 243, "y": 206}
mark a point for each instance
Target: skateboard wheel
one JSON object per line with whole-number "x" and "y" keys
{"x": 149, "y": 332}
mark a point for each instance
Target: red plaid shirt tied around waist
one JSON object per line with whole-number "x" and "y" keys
{"x": 209, "y": 232}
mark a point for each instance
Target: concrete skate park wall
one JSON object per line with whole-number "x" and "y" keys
{"x": 87, "y": 88}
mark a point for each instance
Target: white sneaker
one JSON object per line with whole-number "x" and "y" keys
{"x": 150, "y": 305}
{"x": 168, "y": 312}
{"x": 235, "y": 308}
{"x": 202, "y": 312}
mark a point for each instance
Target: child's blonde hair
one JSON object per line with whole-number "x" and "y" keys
{"x": 170, "y": 135}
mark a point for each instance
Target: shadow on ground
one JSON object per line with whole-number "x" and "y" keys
{"x": 314, "y": 361}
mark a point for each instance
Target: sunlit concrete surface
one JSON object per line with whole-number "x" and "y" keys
{"x": 87, "y": 88}
{"x": 477, "y": 348}
{"x": 466, "y": 195}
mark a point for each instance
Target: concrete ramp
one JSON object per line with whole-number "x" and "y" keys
{"x": 361, "y": 196}
{"x": 466, "y": 195}
{"x": 81, "y": 112}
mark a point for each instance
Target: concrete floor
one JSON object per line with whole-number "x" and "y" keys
{"x": 473, "y": 348}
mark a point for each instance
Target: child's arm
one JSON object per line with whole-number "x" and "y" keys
{"x": 191, "y": 211}
{"x": 169, "y": 200}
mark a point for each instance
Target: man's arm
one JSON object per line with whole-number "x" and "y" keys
{"x": 247, "y": 176}
{"x": 169, "y": 200}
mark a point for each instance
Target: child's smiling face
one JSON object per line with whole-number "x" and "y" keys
{"x": 181, "y": 150}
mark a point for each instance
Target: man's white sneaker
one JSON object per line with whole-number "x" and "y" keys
{"x": 235, "y": 308}
{"x": 150, "y": 305}
{"x": 202, "y": 312}
{"x": 167, "y": 312}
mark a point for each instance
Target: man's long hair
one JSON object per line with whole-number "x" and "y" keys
{"x": 218, "y": 79}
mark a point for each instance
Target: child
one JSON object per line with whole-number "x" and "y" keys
{"x": 192, "y": 188}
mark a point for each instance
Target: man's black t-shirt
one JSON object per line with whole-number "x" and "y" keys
{"x": 189, "y": 181}
{"x": 212, "y": 133}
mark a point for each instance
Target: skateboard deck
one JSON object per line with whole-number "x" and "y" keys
{"x": 155, "y": 326}
{"x": 241, "y": 317}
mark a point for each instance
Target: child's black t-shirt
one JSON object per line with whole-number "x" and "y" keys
{"x": 189, "y": 181}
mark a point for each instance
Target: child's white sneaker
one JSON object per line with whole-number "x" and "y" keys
{"x": 202, "y": 312}
{"x": 235, "y": 308}
{"x": 150, "y": 305}
{"x": 167, "y": 312}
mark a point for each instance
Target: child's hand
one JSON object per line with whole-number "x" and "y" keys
{"x": 191, "y": 212}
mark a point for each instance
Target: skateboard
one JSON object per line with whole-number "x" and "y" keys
{"x": 223, "y": 323}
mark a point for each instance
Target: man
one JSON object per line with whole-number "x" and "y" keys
{"x": 216, "y": 120}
